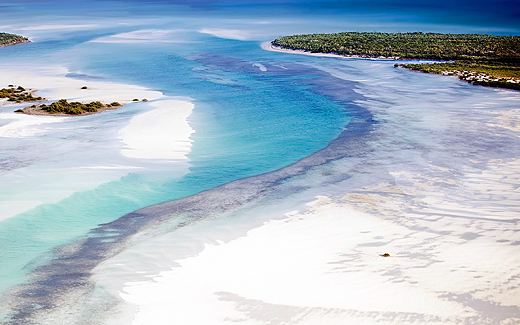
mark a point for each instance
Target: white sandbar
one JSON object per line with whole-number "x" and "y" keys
{"x": 27, "y": 187}
{"x": 162, "y": 133}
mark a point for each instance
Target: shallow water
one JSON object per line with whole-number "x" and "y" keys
{"x": 246, "y": 122}
{"x": 254, "y": 112}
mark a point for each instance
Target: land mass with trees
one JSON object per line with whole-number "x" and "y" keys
{"x": 61, "y": 107}
{"x": 18, "y": 94}
{"x": 7, "y": 39}
{"x": 486, "y": 60}
{"x": 64, "y": 107}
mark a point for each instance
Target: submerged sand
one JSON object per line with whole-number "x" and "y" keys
{"x": 453, "y": 246}
{"x": 444, "y": 210}
{"x": 449, "y": 226}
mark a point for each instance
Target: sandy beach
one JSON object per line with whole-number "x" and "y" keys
{"x": 16, "y": 43}
{"x": 453, "y": 259}
{"x": 162, "y": 133}
{"x": 51, "y": 83}
{"x": 268, "y": 46}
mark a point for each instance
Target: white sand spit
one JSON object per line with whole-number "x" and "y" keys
{"x": 269, "y": 47}
{"x": 273, "y": 48}
{"x": 163, "y": 133}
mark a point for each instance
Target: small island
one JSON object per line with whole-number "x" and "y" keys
{"x": 63, "y": 107}
{"x": 7, "y": 39}
{"x": 18, "y": 94}
{"x": 486, "y": 60}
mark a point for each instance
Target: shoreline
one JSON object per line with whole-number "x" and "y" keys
{"x": 39, "y": 112}
{"x": 52, "y": 84}
{"x": 268, "y": 46}
{"x": 474, "y": 78}
{"x": 15, "y": 43}
{"x": 160, "y": 133}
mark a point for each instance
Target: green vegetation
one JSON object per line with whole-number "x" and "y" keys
{"x": 75, "y": 108}
{"x": 478, "y": 72}
{"x": 406, "y": 45}
{"x": 479, "y": 59}
{"x": 11, "y": 39}
{"x": 18, "y": 95}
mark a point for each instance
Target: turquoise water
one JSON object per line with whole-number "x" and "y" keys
{"x": 247, "y": 121}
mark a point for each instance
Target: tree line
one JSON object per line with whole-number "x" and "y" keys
{"x": 415, "y": 45}
{"x": 75, "y": 108}
{"x": 479, "y": 59}
{"x": 10, "y": 39}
